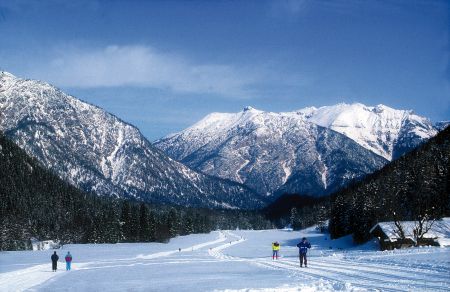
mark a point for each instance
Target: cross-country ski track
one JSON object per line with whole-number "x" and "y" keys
{"x": 230, "y": 261}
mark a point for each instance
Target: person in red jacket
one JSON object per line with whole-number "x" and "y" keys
{"x": 68, "y": 259}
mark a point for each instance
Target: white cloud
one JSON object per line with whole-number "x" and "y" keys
{"x": 144, "y": 66}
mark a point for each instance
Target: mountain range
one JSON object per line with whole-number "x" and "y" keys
{"x": 226, "y": 160}
{"x": 97, "y": 152}
{"x": 312, "y": 151}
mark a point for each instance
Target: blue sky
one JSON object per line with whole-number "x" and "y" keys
{"x": 162, "y": 65}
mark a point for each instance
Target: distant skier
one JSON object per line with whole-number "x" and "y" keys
{"x": 55, "y": 259}
{"x": 303, "y": 249}
{"x": 275, "y": 250}
{"x": 68, "y": 259}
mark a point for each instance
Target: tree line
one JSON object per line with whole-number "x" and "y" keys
{"x": 299, "y": 211}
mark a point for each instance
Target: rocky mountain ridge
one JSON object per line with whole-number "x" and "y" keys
{"x": 98, "y": 152}
{"x": 271, "y": 152}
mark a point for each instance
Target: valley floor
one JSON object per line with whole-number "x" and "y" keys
{"x": 230, "y": 261}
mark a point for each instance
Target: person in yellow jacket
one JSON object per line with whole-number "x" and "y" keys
{"x": 275, "y": 250}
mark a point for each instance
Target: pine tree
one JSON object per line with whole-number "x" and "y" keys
{"x": 125, "y": 221}
{"x": 322, "y": 217}
{"x": 134, "y": 223}
{"x": 152, "y": 226}
{"x": 188, "y": 223}
{"x": 294, "y": 219}
{"x": 173, "y": 223}
{"x": 144, "y": 228}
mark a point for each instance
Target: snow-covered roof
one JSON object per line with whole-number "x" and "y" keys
{"x": 440, "y": 230}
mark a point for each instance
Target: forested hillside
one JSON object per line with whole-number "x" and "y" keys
{"x": 298, "y": 211}
{"x": 414, "y": 187}
{"x": 36, "y": 203}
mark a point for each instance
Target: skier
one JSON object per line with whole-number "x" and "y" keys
{"x": 68, "y": 260}
{"x": 303, "y": 249}
{"x": 55, "y": 259}
{"x": 275, "y": 250}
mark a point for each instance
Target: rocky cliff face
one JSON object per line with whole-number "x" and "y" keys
{"x": 271, "y": 152}
{"x": 97, "y": 152}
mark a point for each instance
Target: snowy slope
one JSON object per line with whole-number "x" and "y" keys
{"x": 383, "y": 130}
{"x": 230, "y": 261}
{"x": 98, "y": 152}
{"x": 271, "y": 152}
{"x": 442, "y": 125}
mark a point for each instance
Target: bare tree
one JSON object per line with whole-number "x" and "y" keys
{"x": 395, "y": 204}
{"x": 422, "y": 225}
{"x": 399, "y": 230}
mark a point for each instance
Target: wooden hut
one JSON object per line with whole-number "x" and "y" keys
{"x": 389, "y": 237}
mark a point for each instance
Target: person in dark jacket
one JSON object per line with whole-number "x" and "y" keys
{"x": 303, "y": 249}
{"x": 55, "y": 259}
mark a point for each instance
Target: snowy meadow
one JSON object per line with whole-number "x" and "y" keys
{"x": 230, "y": 261}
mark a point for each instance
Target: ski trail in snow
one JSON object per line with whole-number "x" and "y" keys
{"x": 362, "y": 275}
{"x": 369, "y": 280}
{"x": 217, "y": 251}
{"x": 25, "y": 279}
{"x": 316, "y": 274}
{"x": 381, "y": 268}
{"x": 221, "y": 238}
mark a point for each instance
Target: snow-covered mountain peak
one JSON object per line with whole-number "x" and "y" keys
{"x": 250, "y": 118}
{"x": 6, "y": 79}
{"x": 307, "y": 111}
{"x": 249, "y": 108}
{"x": 380, "y": 108}
{"x": 378, "y": 128}
{"x": 6, "y": 74}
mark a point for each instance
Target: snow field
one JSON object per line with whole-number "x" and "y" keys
{"x": 230, "y": 261}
